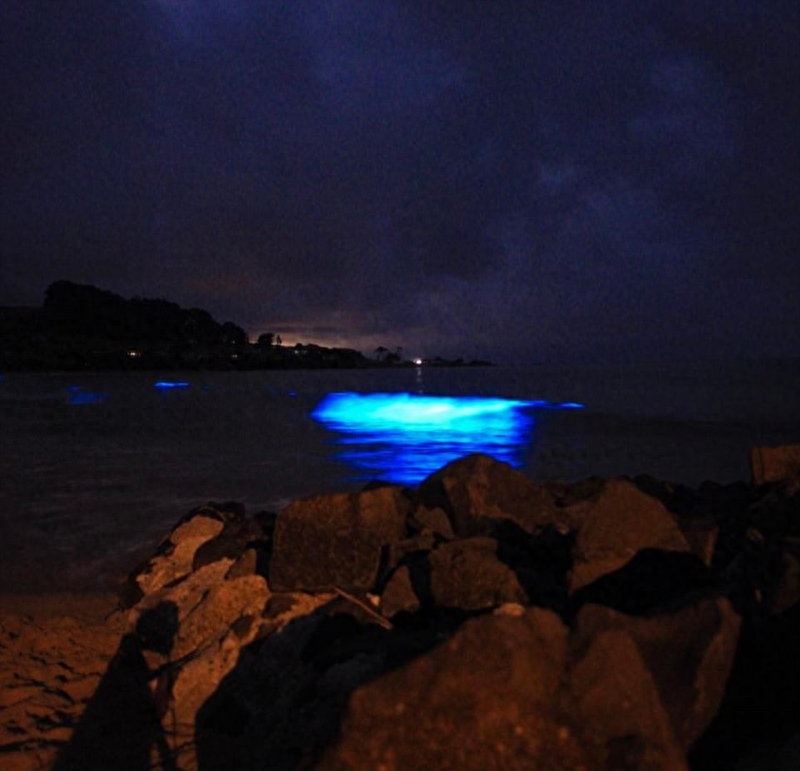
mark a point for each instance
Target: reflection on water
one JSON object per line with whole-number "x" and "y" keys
{"x": 403, "y": 437}
{"x": 77, "y": 396}
{"x": 166, "y": 385}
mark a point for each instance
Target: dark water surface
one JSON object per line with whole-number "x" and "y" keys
{"x": 94, "y": 468}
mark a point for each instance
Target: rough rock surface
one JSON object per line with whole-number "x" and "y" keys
{"x": 336, "y": 540}
{"x": 486, "y": 699}
{"x": 477, "y": 489}
{"x": 467, "y": 574}
{"x": 621, "y": 521}
{"x": 176, "y": 554}
{"x": 399, "y": 595}
{"x": 689, "y": 654}
{"x": 775, "y": 464}
{"x": 617, "y": 706}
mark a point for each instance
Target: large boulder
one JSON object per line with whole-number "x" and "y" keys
{"x": 467, "y": 574}
{"x": 236, "y": 603}
{"x": 476, "y": 490}
{"x": 775, "y": 464}
{"x": 191, "y": 633}
{"x": 231, "y": 542}
{"x": 486, "y": 700}
{"x": 335, "y": 541}
{"x": 174, "y": 557}
{"x": 616, "y": 704}
{"x": 688, "y": 653}
{"x": 622, "y": 520}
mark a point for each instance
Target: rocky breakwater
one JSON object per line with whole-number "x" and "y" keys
{"x": 477, "y": 622}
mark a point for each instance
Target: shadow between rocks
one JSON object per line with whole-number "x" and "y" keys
{"x": 283, "y": 703}
{"x": 760, "y": 714}
{"x": 121, "y": 728}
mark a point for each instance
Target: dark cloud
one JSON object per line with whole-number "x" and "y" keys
{"x": 536, "y": 180}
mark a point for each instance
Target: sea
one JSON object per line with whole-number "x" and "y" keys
{"x": 96, "y": 467}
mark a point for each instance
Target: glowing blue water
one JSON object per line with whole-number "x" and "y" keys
{"x": 403, "y": 437}
{"x": 78, "y": 397}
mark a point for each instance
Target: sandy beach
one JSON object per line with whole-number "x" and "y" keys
{"x": 54, "y": 650}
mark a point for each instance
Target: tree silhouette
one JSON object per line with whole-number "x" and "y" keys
{"x": 265, "y": 340}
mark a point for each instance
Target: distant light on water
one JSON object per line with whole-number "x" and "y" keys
{"x": 402, "y": 437}
{"x": 76, "y": 396}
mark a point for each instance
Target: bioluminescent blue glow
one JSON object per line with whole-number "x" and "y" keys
{"x": 402, "y": 437}
{"x": 165, "y": 385}
{"x": 77, "y": 396}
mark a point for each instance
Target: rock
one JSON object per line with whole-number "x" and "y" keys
{"x": 400, "y": 551}
{"x": 467, "y": 574}
{"x": 156, "y": 628}
{"x": 186, "y": 593}
{"x": 199, "y": 631}
{"x": 485, "y": 700}
{"x": 775, "y": 464}
{"x": 174, "y": 557}
{"x": 513, "y": 609}
{"x": 331, "y": 541}
{"x": 653, "y": 579}
{"x": 273, "y": 708}
{"x": 540, "y": 561}
{"x": 618, "y": 710}
{"x": 786, "y": 593}
{"x": 222, "y": 606}
{"x": 199, "y": 526}
{"x": 284, "y": 607}
{"x": 777, "y": 514}
{"x": 477, "y": 489}
{"x": 435, "y": 520}
{"x": 760, "y": 709}
{"x": 398, "y": 595}
{"x": 701, "y": 536}
{"x": 689, "y": 655}
{"x": 197, "y": 680}
{"x": 234, "y": 538}
{"x": 622, "y": 520}
{"x": 566, "y": 495}
{"x": 246, "y": 564}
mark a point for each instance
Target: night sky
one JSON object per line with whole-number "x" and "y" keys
{"x": 523, "y": 181}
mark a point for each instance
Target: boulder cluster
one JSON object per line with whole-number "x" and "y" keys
{"x": 478, "y": 622}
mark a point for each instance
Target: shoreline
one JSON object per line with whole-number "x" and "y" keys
{"x": 599, "y": 578}
{"x": 91, "y": 606}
